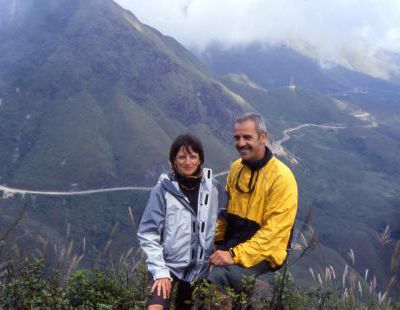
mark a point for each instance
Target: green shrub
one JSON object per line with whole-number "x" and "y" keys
{"x": 31, "y": 286}
{"x": 90, "y": 289}
{"x": 28, "y": 287}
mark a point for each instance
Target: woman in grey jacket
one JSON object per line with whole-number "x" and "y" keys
{"x": 177, "y": 228}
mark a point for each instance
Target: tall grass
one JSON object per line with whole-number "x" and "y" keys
{"x": 52, "y": 277}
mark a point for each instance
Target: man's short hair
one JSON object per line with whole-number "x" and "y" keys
{"x": 258, "y": 120}
{"x": 190, "y": 143}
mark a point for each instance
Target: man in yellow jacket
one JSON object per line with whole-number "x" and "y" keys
{"x": 255, "y": 233}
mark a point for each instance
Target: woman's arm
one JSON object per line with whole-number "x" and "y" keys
{"x": 150, "y": 232}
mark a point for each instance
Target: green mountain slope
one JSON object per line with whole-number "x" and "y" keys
{"x": 91, "y": 97}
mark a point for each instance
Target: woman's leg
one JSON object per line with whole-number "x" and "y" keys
{"x": 156, "y": 302}
{"x": 184, "y": 296}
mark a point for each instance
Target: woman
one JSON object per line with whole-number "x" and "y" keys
{"x": 178, "y": 225}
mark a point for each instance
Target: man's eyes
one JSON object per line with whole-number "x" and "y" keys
{"x": 244, "y": 137}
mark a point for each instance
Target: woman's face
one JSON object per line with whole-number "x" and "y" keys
{"x": 187, "y": 163}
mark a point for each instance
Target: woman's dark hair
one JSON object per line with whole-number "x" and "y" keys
{"x": 190, "y": 143}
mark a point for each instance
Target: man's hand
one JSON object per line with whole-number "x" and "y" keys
{"x": 163, "y": 286}
{"x": 221, "y": 258}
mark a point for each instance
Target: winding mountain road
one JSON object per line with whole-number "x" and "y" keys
{"x": 279, "y": 150}
{"x": 276, "y": 147}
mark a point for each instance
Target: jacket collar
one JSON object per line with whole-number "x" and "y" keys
{"x": 172, "y": 186}
{"x": 256, "y": 165}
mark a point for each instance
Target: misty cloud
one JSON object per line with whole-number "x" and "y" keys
{"x": 353, "y": 33}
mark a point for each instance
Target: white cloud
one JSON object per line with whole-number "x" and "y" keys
{"x": 350, "y": 32}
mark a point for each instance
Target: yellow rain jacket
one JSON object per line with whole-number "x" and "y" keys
{"x": 258, "y": 224}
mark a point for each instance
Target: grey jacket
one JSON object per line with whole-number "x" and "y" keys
{"x": 173, "y": 238}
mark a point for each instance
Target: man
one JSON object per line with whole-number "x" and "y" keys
{"x": 261, "y": 211}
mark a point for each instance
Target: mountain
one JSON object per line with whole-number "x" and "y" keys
{"x": 90, "y": 97}
{"x": 274, "y": 66}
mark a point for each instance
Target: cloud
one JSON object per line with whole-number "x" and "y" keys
{"x": 353, "y": 33}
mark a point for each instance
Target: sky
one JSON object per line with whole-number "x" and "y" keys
{"x": 355, "y": 33}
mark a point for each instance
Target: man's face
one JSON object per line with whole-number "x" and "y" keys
{"x": 250, "y": 145}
